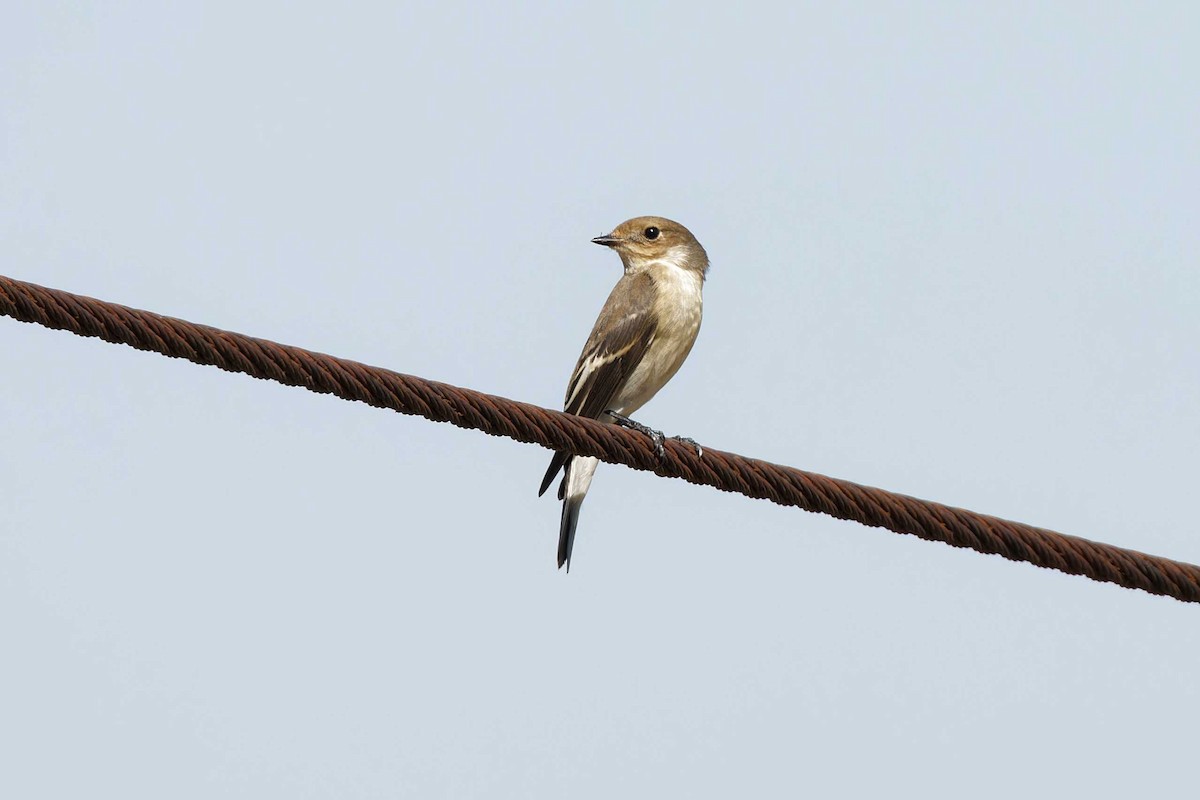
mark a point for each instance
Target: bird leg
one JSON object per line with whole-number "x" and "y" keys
{"x": 656, "y": 436}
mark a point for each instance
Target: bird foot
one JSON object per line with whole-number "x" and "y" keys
{"x": 692, "y": 442}
{"x": 656, "y": 436}
{"x": 645, "y": 430}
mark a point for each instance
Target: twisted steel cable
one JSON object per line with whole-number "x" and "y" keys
{"x": 499, "y": 416}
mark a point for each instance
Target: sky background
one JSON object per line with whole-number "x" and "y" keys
{"x": 954, "y": 255}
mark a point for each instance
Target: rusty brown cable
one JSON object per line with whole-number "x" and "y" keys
{"x": 498, "y": 416}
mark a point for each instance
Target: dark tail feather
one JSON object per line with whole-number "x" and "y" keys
{"x": 566, "y": 530}
{"x": 556, "y": 464}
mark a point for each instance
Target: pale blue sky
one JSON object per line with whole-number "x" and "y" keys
{"x": 954, "y": 255}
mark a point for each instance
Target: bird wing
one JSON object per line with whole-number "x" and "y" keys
{"x": 620, "y": 338}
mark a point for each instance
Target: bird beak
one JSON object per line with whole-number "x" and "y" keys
{"x": 608, "y": 240}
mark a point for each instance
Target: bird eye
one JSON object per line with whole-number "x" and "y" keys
{"x": 651, "y": 232}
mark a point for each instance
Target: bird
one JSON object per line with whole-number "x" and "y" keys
{"x": 643, "y": 334}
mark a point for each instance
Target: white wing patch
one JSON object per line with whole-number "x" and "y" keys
{"x": 581, "y": 378}
{"x": 583, "y": 381}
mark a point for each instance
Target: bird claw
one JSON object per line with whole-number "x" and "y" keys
{"x": 692, "y": 442}
{"x": 645, "y": 430}
{"x": 656, "y": 436}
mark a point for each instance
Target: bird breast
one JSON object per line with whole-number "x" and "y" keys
{"x": 678, "y": 307}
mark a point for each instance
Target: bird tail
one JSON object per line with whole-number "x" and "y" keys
{"x": 576, "y": 481}
{"x": 566, "y": 530}
{"x": 556, "y": 464}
